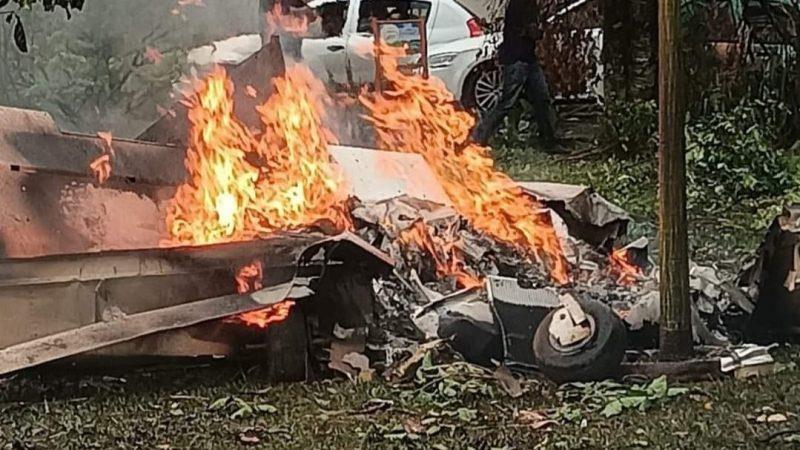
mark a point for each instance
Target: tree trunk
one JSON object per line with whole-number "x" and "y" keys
{"x": 676, "y": 331}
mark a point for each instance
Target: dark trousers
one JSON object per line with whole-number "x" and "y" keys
{"x": 519, "y": 78}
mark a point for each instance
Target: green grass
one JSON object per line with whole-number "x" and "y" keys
{"x": 198, "y": 409}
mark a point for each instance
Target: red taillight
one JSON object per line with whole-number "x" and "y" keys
{"x": 475, "y": 28}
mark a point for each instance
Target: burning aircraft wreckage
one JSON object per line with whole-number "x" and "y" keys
{"x": 276, "y": 242}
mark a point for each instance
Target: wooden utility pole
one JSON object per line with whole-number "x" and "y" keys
{"x": 676, "y": 329}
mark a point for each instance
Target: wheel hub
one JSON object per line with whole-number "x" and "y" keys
{"x": 487, "y": 89}
{"x": 568, "y": 337}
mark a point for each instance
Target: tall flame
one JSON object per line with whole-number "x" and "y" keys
{"x": 242, "y": 184}
{"x": 417, "y": 115}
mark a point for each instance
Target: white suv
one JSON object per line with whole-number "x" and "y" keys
{"x": 459, "y": 53}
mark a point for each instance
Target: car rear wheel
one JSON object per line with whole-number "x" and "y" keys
{"x": 597, "y": 358}
{"x": 482, "y": 89}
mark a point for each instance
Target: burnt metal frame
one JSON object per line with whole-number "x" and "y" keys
{"x": 306, "y": 255}
{"x": 423, "y": 45}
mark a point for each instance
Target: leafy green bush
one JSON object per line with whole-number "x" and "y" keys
{"x": 732, "y": 157}
{"x": 630, "y": 128}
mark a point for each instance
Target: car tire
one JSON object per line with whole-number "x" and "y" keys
{"x": 479, "y": 85}
{"x": 598, "y": 359}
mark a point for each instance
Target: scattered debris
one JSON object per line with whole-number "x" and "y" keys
{"x": 403, "y": 369}
{"x": 486, "y": 296}
{"x": 748, "y": 360}
{"x": 589, "y": 216}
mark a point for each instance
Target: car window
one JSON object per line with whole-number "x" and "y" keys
{"x": 333, "y": 16}
{"x": 390, "y": 10}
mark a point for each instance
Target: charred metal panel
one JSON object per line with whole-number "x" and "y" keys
{"x": 49, "y": 214}
{"x": 30, "y": 312}
{"x": 52, "y": 204}
{"x": 79, "y": 303}
{"x": 30, "y": 141}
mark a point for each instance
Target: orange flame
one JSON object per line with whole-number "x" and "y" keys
{"x": 278, "y": 21}
{"x": 101, "y": 166}
{"x": 417, "y": 115}
{"x": 262, "y": 318}
{"x": 626, "y": 272}
{"x": 242, "y": 185}
{"x": 249, "y": 278}
{"x": 446, "y": 256}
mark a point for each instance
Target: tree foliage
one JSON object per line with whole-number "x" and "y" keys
{"x": 91, "y": 77}
{"x": 13, "y": 18}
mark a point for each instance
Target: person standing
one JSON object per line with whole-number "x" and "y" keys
{"x": 522, "y": 74}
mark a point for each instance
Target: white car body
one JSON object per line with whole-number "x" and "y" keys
{"x": 454, "y": 50}
{"x": 463, "y": 62}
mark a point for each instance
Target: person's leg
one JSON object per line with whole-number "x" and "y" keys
{"x": 538, "y": 95}
{"x": 514, "y": 76}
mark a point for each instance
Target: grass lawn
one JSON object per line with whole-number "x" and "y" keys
{"x": 226, "y": 408}
{"x": 448, "y": 408}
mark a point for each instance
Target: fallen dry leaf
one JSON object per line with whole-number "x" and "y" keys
{"x": 404, "y": 368}
{"x": 534, "y": 419}
{"x": 507, "y": 381}
{"x": 772, "y": 418}
{"x": 359, "y": 362}
{"x": 246, "y": 438}
{"x": 413, "y": 425}
{"x": 375, "y": 405}
{"x": 251, "y": 91}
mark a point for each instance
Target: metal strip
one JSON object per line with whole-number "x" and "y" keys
{"x": 103, "y": 334}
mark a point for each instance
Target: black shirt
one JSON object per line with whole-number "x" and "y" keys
{"x": 519, "y": 32}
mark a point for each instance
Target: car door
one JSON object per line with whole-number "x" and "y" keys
{"x": 326, "y": 54}
{"x": 360, "y": 59}
{"x": 327, "y": 58}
